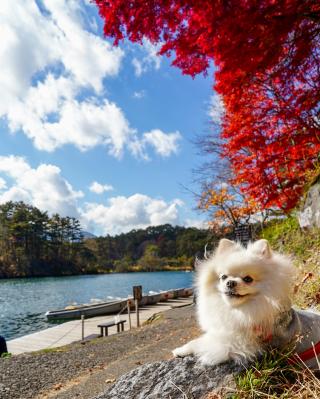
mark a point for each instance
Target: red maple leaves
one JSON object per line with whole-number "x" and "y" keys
{"x": 267, "y": 58}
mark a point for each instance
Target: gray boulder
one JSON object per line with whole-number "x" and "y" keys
{"x": 309, "y": 216}
{"x": 175, "y": 379}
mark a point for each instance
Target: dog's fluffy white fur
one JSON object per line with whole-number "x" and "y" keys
{"x": 241, "y": 294}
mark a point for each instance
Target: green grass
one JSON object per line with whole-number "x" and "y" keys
{"x": 6, "y": 355}
{"x": 153, "y": 318}
{"x": 273, "y": 377}
{"x": 51, "y": 350}
{"x": 286, "y": 236}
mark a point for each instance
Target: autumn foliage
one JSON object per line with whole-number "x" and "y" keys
{"x": 228, "y": 208}
{"x": 267, "y": 58}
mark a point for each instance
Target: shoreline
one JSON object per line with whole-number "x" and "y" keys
{"x": 81, "y": 370}
{"x": 187, "y": 269}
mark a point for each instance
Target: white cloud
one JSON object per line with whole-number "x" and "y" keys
{"x": 164, "y": 144}
{"x": 98, "y": 188}
{"x": 51, "y": 117}
{"x": 123, "y": 214}
{"x": 216, "y": 108}
{"x": 3, "y": 184}
{"x": 32, "y": 41}
{"x": 199, "y": 224}
{"x": 150, "y": 60}
{"x": 49, "y": 64}
{"x": 47, "y": 108}
{"x": 46, "y": 188}
{"x": 139, "y": 94}
{"x": 138, "y": 67}
{"x": 88, "y": 57}
{"x": 43, "y": 187}
{"x": 24, "y": 48}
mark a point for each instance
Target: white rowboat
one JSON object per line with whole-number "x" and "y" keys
{"x": 115, "y": 307}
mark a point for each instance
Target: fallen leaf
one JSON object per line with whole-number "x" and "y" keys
{"x": 110, "y": 380}
{"x": 305, "y": 278}
{"x": 213, "y": 395}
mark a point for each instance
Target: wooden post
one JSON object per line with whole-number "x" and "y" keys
{"x": 82, "y": 327}
{"x": 136, "y": 303}
{"x": 129, "y": 314}
{"x": 137, "y": 295}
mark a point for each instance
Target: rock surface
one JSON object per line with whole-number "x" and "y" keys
{"x": 175, "y": 379}
{"x": 309, "y": 216}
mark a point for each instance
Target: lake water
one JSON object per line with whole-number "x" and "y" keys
{"x": 23, "y": 302}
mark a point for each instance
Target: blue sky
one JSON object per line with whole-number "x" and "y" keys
{"x": 92, "y": 131}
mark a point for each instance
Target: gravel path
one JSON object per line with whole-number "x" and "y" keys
{"x": 84, "y": 371}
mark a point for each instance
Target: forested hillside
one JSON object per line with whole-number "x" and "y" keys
{"x": 32, "y": 243}
{"x": 154, "y": 248}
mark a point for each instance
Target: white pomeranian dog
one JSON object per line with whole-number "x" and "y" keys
{"x": 244, "y": 307}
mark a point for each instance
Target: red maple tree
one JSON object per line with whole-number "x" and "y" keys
{"x": 267, "y": 59}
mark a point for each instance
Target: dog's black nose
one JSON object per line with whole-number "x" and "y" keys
{"x": 231, "y": 284}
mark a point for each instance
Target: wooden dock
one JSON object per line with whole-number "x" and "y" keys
{"x": 71, "y": 331}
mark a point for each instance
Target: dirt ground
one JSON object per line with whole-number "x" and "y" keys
{"x": 84, "y": 371}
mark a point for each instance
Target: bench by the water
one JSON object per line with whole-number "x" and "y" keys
{"x": 104, "y": 327}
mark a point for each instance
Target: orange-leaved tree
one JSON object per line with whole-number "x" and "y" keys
{"x": 229, "y": 208}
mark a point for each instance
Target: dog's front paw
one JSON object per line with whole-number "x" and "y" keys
{"x": 182, "y": 351}
{"x": 209, "y": 359}
{"x": 214, "y": 357}
{"x": 179, "y": 352}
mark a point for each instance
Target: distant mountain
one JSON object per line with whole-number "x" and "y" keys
{"x": 86, "y": 235}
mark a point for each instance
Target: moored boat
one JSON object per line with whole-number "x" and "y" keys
{"x": 115, "y": 307}
{"x": 76, "y": 312}
{"x": 186, "y": 292}
{"x": 153, "y": 299}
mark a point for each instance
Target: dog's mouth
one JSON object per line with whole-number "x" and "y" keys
{"x": 232, "y": 294}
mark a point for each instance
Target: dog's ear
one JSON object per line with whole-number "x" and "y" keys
{"x": 262, "y": 248}
{"x": 225, "y": 245}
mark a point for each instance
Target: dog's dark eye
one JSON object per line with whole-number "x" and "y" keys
{"x": 247, "y": 279}
{"x": 223, "y": 277}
